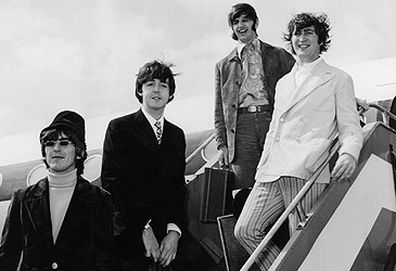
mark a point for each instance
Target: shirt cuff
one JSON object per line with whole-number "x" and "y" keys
{"x": 173, "y": 227}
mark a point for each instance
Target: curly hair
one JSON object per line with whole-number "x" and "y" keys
{"x": 307, "y": 19}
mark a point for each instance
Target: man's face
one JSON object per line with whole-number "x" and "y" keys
{"x": 243, "y": 29}
{"x": 60, "y": 155}
{"x": 305, "y": 44}
{"x": 155, "y": 95}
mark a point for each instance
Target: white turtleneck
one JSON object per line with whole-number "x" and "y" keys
{"x": 303, "y": 70}
{"x": 61, "y": 187}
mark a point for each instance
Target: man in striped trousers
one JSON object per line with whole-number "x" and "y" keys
{"x": 313, "y": 102}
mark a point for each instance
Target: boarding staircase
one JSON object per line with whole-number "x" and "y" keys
{"x": 351, "y": 227}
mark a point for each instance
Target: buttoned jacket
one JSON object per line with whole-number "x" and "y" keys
{"x": 306, "y": 119}
{"x": 228, "y": 81}
{"x": 84, "y": 241}
{"x": 146, "y": 179}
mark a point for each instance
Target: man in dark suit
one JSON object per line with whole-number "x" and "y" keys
{"x": 62, "y": 222}
{"x": 245, "y": 87}
{"x": 143, "y": 168}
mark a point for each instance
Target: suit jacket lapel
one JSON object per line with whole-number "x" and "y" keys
{"x": 319, "y": 75}
{"x": 75, "y": 218}
{"x": 37, "y": 207}
{"x": 144, "y": 128}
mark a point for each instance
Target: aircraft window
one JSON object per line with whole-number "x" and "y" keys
{"x": 36, "y": 174}
{"x": 209, "y": 151}
{"x": 1, "y": 178}
{"x": 92, "y": 167}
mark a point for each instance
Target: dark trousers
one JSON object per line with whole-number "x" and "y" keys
{"x": 250, "y": 135}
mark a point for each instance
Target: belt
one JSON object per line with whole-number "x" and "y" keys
{"x": 255, "y": 109}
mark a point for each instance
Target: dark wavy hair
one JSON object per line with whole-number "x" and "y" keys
{"x": 81, "y": 149}
{"x": 242, "y": 9}
{"x": 307, "y": 19}
{"x": 155, "y": 70}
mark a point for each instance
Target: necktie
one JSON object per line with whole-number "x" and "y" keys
{"x": 158, "y": 132}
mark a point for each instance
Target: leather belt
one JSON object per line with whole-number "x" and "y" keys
{"x": 255, "y": 109}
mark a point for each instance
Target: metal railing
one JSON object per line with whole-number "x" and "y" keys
{"x": 291, "y": 206}
{"x": 200, "y": 148}
{"x": 296, "y": 201}
{"x": 384, "y": 111}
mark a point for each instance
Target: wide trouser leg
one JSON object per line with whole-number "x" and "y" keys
{"x": 290, "y": 186}
{"x": 262, "y": 208}
{"x": 249, "y": 141}
{"x": 266, "y": 202}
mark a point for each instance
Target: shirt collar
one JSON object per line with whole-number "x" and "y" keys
{"x": 307, "y": 67}
{"x": 242, "y": 45}
{"x": 57, "y": 179}
{"x": 152, "y": 120}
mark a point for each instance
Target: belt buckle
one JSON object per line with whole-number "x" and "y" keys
{"x": 252, "y": 109}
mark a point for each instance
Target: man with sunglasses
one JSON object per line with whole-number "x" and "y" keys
{"x": 62, "y": 222}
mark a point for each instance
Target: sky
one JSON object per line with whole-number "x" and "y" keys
{"x": 83, "y": 55}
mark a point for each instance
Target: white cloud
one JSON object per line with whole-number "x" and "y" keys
{"x": 84, "y": 54}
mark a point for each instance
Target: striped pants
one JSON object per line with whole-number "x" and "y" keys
{"x": 265, "y": 204}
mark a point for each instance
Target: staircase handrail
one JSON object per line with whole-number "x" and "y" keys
{"x": 201, "y": 147}
{"x": 333, "y": 150}
{"x": 291, "y": 206}
{"x": 383, "y": 110}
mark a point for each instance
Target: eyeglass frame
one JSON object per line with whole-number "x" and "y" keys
{"x": 61, "y": 142}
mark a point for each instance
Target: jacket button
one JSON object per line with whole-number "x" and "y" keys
{"x": 54, "y": 266}
{"x": 277, "y": 138}
{"x": 232, "y": 131}
{"x": 233, "y": 106}
{"x": 281, "y": 119}
{"x": 238, "y": 83}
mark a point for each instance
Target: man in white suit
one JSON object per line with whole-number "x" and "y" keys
{"x": 312, "y": 103}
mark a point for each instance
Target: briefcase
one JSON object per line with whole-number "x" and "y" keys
{"x": 217, "y": 194}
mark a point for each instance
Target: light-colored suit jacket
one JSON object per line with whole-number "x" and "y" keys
{"x": 305, "y": 120}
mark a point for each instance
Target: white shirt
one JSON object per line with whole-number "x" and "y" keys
{"x": 152, "y": 121}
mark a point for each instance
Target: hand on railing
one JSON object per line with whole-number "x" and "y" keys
{"x": 363, "y": 105}
{"x": 344, "y": 168}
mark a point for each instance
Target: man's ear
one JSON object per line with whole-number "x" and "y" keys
{"x": 257, "y": 24}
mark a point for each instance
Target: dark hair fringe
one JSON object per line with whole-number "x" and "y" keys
{"x": 242, "y": 9}
{"x": 81, "y": 148}
{"x": 156, "y": 69}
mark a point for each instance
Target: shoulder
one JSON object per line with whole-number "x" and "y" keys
{"x": 277, "y": 53}
{"x": 31, "y": 191}
{"x": 92, "y": 189}
{"x": 125, "y": 123}
{"x": 174, "y": 128}
{"x": 225, "y": 61}
{"x": 340, "y": 74}
{"x": 272, "y": 48}
{"x": 123, "y": 120}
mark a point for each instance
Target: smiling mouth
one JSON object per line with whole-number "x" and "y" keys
{"x": 303, "y": 46}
